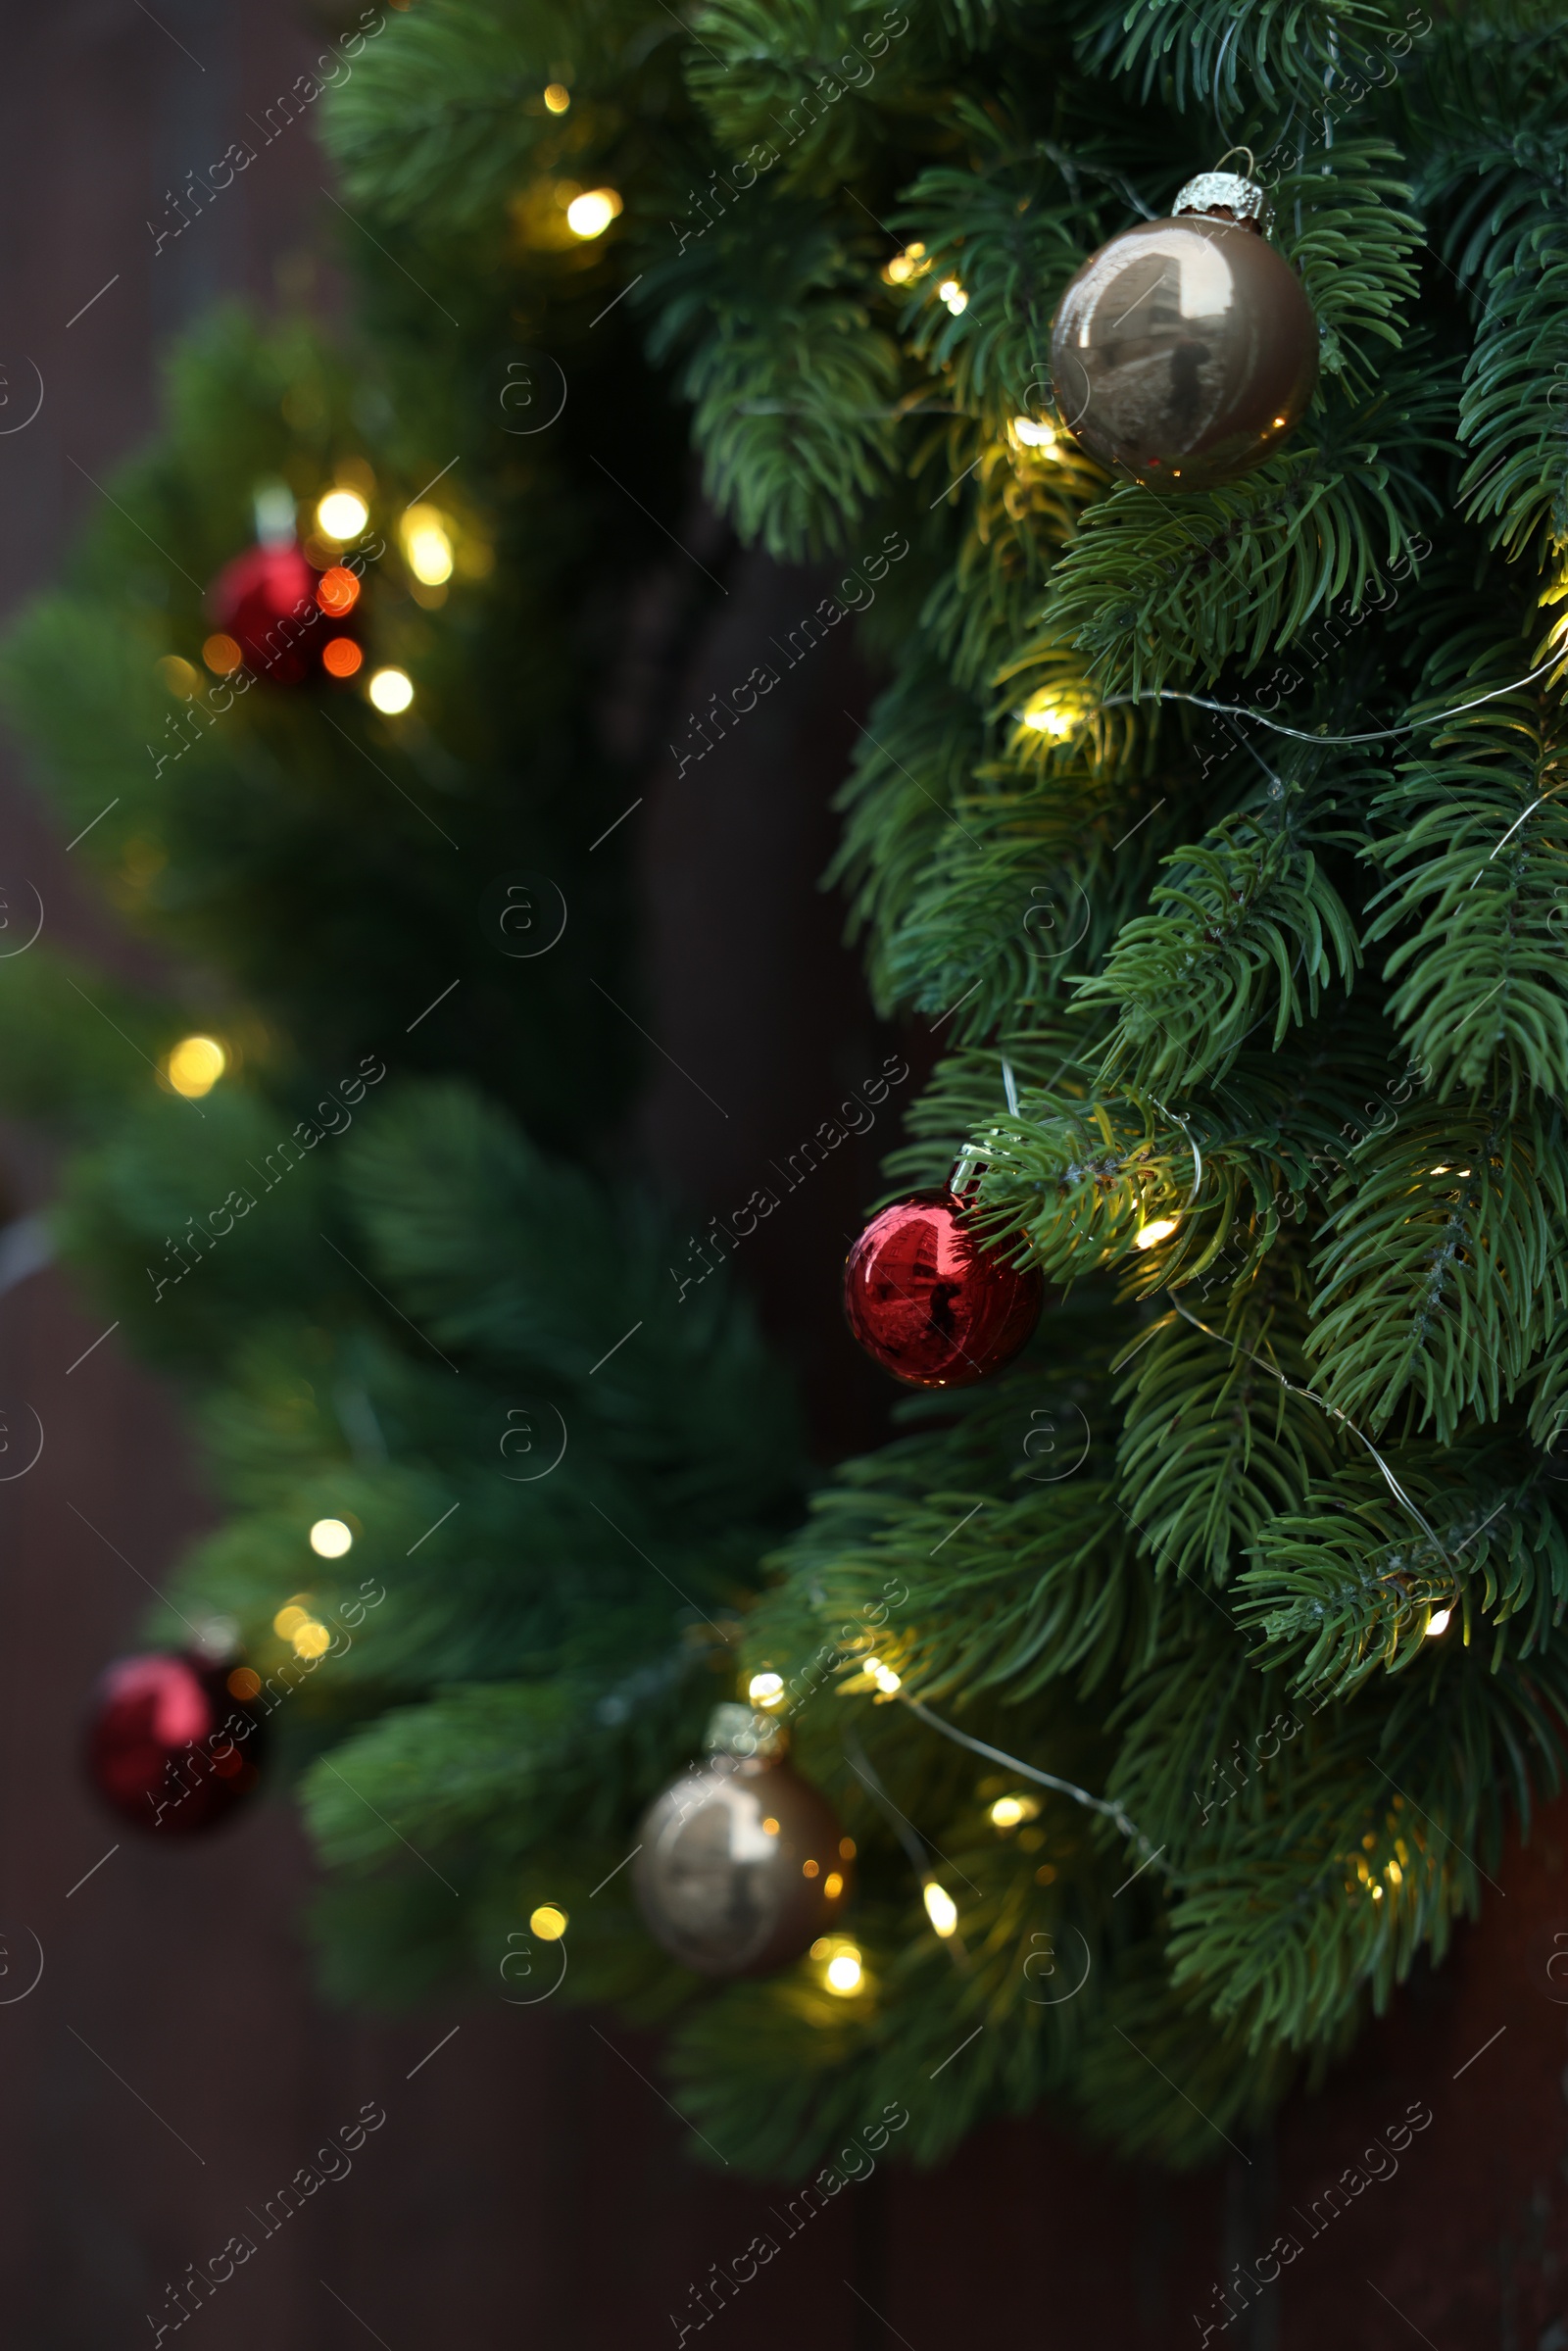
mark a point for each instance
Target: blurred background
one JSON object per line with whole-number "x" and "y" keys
{"x": 171, "y": 2068}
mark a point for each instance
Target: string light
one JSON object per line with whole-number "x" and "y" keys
{"x": 287, "y": 1622}
{"x": 953, "y": 294}
{"x": 391, "y": 691}
{"x": 222, "y": 655}
{"x": 337, "y": 591}
{"x": 1007, "y": 1811}
{"x": 1033, "y": 432}
{"x": 1160, "y": 1228}
{"x": 558, "y": 97}
{"x": 341, "y": 514}
{"x": 886, "y": 1680}
{"x": 310, "y": 1640}
{"x": 426, "y": 545}
{"x": 843, "y": 1972}
{"x": 1049, "y": 716}
{"x": 547, "y": 1921}
{"x": 765, "y": 1689}
{"x": 590, "y": 214}
{"x": 195, "y": 1066}
{"x": 341, "y": 657}
{"x": 940, "y": 1908}
{"x": 243, "y": 1683}
{"x": 330, "y": 1539}
{"x": 1439, "y": 1622}
{"x": 910, "y": 262}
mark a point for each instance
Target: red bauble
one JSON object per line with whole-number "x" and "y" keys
{"x": 929, "y": 1303}
{"x": 269, "y": 601}
{"x": 170, "y": 1747}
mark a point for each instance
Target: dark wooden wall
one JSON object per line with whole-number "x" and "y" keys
{"x": 172, "y": 2068}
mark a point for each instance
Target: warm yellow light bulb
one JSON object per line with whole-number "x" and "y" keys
{"x": 1439, "y": 1622}
{"x": 590, "y": 214}
{"x": 1007, "y": 1812}
{"x": 1034, "y": 433}
{"x": 310, "y": 1640}
{"x": 330, "y": 1539}
{"x": 287, "y": 1622}
{"x": 342, "y": 515}
{"x": 547, "y": 1921}
{"x": 940, "y": 1908}
{"x": 765, "y": 1689}
{"x": 195, "y": 1066}
{"x": 843, "y": 1972}
{"x": 558, "y": 97}
{"x": 1158, "y": 1228}
{"x": 953, "y": 294}
{"x": 1048, "y": 717}
{"x": 391, "y": 691}
{"x": 426, "y": 545}
{"x": 886, "y": 1680}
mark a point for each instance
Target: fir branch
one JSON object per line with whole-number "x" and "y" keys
{"x": 1248, "y": 924}
{"x": 1440, "y": 1273}
{"x": 1212, "y": 1446}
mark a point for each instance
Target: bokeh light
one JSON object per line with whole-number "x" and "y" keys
{"x": 843, "y": 1972}
{"x": 341, "y": 657}
{"x": 391, "y": 691}
{"x": 195, "y": 1066}
{"x": 426, "y": 545}
{"x": 590, "y": 214}
{"x": 330, "y": 1539}
{"x": 342, "y": 515}
{"x": 337, "y": 591}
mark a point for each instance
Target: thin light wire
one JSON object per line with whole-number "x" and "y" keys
{"x": 1065, "y": 1788}
{"x": 1386, "y": 734}
{"x": 1334, "y": 1413}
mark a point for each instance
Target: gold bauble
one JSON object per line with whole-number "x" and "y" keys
{"x": 741, "y": 1865}
{"x": 1185, "y": 351}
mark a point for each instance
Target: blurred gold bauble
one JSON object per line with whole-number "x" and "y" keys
{"x": 740, "y": 1867}
{"x": 1184, "y": 352}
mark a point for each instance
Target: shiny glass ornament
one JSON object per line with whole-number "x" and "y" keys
{"x": 741, "y": 1865}
{"x": 269, "y": 601}
{"x": 1185, "y": 351}
{"x": 171, "y": 1747}
{"x": 929, "y": 1303}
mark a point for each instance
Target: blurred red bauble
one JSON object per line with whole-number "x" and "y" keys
{"x": 172, "y": 1744}
{"x": 929, "y": 1303}
{"x": 282, "y": 613}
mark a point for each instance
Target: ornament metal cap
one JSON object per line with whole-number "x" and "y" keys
{"x": 1223, "y": 196}
{"x": 736, "y": 1729}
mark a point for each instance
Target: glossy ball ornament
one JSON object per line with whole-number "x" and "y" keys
{"x": 929, "y": 1303}
{"x": 741, "y": 1863}
{"x": 172, "y": 1744}
{"x": 1186, "y": 349}
{"x": 265, "y": 600}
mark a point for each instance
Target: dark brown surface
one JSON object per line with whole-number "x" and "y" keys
{"x": 172, "y": 2067}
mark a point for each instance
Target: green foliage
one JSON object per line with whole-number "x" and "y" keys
{"x": 1216, "y": 838}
